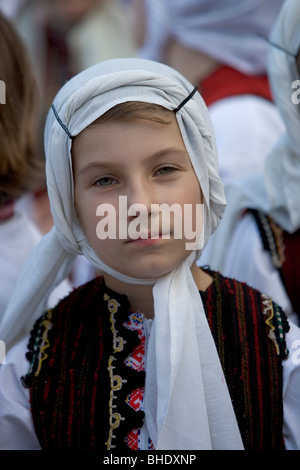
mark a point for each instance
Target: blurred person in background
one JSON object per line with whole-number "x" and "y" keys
{"x": 67, "y": 36}
{"x": 263, "y": 217}
{"x": 21, "y": 169}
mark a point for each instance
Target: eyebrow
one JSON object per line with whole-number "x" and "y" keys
{"x": 155, "y": 156}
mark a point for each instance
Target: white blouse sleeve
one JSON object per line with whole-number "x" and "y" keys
{"x": 247, "y": 261}
{"x": 16, "y": 425}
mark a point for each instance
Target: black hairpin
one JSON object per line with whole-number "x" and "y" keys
{"x": 72, "y": 137}
{"x": 277, "y": 46}
{"x": 61, "y": 123}
{"x": 186, "y": 99}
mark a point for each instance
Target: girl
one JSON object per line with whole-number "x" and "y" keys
{"x": 156, "y": 353}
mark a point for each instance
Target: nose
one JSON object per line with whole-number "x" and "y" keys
{"x": 140, "y": 196}
{"x": 143, "y": 206}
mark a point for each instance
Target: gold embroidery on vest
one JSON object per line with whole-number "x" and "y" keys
{"x": 44, "y": 341}
{"x": 116, "y": 382}
{"x": 269, "y": 312}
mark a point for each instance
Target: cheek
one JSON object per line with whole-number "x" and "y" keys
{"x": 195, "y": 189}
{"x": 190, "y": 192}
{"x": 86, "y": 212}
{"x": 89, "y": 220}
{"x": 192, "y": 209}
{"x": 102, "y": 247}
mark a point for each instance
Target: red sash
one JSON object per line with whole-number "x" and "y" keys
{"x": 226, "y": 82}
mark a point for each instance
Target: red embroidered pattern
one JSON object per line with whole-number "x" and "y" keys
{"x": 136, "y": 361}
{"x": 135, "y": 398}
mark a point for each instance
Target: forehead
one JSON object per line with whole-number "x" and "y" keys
{"x": 126, "y": 139}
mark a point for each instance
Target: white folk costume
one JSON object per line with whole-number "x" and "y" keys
{"x": 182, "y": 363}
{"x": 244, "y": 118}
{"x": 237, "y": 249}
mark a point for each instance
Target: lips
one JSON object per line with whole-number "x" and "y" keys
{"x": 148, "y": 238}
{"x": 145, "y": 237}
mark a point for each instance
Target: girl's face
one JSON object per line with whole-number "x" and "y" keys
{"x": 122, "y": 163}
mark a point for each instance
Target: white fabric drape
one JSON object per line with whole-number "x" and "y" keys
{"x": 193, "y": 409}
{"x": 230, "y": 31}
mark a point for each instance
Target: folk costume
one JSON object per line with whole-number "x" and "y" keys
{"x": 262, "y": 221}
{"x": 182, "y": 363}
{"x": 99, "y": 402}
{"x": 103, "y": 359}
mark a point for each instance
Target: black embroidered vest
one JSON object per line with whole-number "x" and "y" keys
{"x": 79, "y": 383}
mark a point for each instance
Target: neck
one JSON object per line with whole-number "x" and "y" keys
{"x": 141, "y": 297}
{"x": 192, "y": 64}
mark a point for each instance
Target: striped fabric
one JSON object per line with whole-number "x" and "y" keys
{"x": 249, "y": 331}
{"x": 80, "y": 383}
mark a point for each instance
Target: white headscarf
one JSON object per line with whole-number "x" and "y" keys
{"x": 187, "y": 404}
{"x": 229, "y": 31}
{"x": 277, "y": 191}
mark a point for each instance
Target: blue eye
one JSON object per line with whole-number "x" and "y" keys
{"x": 165, "y": 170}
{"x": 105, "y": 181}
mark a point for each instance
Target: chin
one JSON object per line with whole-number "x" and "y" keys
{"x": 151, "y": 272}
